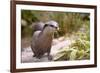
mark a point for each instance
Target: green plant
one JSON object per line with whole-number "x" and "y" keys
{"x": 68, "y": 21}
{"x": 79, "y": 50}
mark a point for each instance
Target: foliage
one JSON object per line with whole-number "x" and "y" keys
{"x": 68, "y": 21}
{"x": 28, "y": 16}
{"x": 79, "y": 50}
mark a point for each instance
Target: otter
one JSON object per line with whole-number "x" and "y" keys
{"x": 42, "y": 40}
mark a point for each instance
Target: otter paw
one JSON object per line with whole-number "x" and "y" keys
{"x": 50, "y": 57}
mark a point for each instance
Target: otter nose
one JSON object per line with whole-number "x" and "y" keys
{"x": 57, "y": 28}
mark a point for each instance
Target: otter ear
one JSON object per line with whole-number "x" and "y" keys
{"x": 45, "y": 26}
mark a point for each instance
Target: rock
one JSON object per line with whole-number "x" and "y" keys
{"x": 27, "y": 54}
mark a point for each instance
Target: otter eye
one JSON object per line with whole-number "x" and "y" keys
{"x": 51, "y": 25}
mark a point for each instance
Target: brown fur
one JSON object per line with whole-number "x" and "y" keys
{"x": 41, "y": 42}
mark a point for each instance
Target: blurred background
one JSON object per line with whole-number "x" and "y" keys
{"x": 73, "y": 26}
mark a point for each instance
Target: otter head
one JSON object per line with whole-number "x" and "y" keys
{"x": 51, "y": 26}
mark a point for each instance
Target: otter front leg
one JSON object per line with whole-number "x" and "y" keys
{"x": 48, "y": 55}
{"x": 40, "y": 54}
